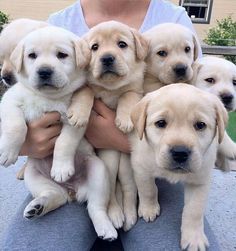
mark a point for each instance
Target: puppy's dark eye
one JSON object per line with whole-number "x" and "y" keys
{"x": 199, "y": 126}
{"x": 122, "y": 44}
{"x": 61, "y": 55}
{"x": 94, "y": 47}
{"x": 210, "y": 80}
{"x": 187, "y": 49}
{"x": 32, "y": 55}
{"x": 162, "y": 53}
{"x": 234, "y": 81}
{"x": 161, "y": 123}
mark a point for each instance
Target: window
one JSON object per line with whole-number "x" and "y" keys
{"x": 198, "y": 10}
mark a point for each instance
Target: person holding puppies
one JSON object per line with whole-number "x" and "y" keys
{"x": 69, "y": 228}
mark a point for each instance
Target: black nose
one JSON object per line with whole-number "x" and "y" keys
{"x": 180, "y": 70}
{"x": 226, "y": 98}
{"x": 108, "y": 60}
{"x": 45, "y": 73}
{"x": 180, "y": 154}
{"x": 8, "y": 78}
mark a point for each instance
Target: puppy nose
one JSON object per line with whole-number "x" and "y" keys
{"x": 45, "y": 73}
{"x": 180, "y": 154}
{"x": 180, "y": 70}
{"x": 7, "y": 78}
{"x": 226, "y": 98}
{"x": 108, "y": 60}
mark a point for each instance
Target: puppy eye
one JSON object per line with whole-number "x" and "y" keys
{"x": 161, "y": 123}
{"x": 94, "y": 47}
{"x": 187, "y": 49}
{"x": 199, "y": 126}
{"x": 210, "y": 80}
{"x": 32, "y": 55}
{"x": 234, "y": 82}
{"x": 122, "y": 44}
{"x": 61, "y": 55}
{"x": 162, "y": 53}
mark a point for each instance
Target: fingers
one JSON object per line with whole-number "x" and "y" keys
{"x": 100, "y": 108}
{"x": 46, "y": 120}
{"x": 53, "y": 130}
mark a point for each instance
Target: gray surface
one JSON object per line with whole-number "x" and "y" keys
{"x": 221, "y": 209}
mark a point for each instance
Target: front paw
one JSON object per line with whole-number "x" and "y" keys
{"x": 116, "y": 215}
{"x": 149, "y": 212}
{"x": 62, "y": 171}
{"x": 8, "y": 155}
{"x": 124, "y": 124}
{"x": 194, "y": 240}
{"x": 76, "y": 118}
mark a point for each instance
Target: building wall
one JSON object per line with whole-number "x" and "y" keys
{"x": 40, "y": 9}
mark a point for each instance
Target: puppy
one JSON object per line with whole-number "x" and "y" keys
{"x": 178, "y": 129}
{"x": 172, "y": 50}
{"x": 50, "y": 66}
{"x": 218, "y": 76}
{"x": 115, "y": 75}
{"x": 9, "y": 38}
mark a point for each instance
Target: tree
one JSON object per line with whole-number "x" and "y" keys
{"x": 4, "y": 19}
{"x": 223, "y": 34}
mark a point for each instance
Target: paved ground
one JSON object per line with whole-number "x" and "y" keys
{"x": 221, "y": 210}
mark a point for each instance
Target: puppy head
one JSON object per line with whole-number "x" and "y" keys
{"x": 182, "y": 124}
{"x": 217, "y": 76}
{"x": 9, "y": 38}
{"x": 51, "y": 61}
{"x": 117, "y": 52}
{"x": 172, "y": 51}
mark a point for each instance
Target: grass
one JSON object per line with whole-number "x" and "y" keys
{"x": 231, "y": 129}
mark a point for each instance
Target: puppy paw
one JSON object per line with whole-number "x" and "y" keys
{"x": 106, "y": 231}
{"x": 116, "y": 215}
{"x": 35, "y": 208}
{"x": 149, "y": 212}
{"x": 194, "y": 240}
{"x": 130, "y": 220}
{"x": 61, "y": 172}
{"x": 8, "y": 155}
{"x": 125, "y": 125}
{"x": 76, "y": 118}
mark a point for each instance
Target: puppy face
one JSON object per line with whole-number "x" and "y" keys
{"x": 116, "y": 52}
{"x": 217, "y": 76}
{"x": 172, "y": 51}
{"x": 180, "y": 129}
{"x": 50, "y": 61}
{"x": 10, "y": 36}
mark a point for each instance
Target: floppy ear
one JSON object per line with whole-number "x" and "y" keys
{"x": 196, "y": 47}
{"x": 196, "y": 68}
{"x": 221, "y": 119}
{"x": 16, "y": 57}
{"x": 82, "y": 53}
{"x": 141, "y": 45}
{"x": 139, "y": 115}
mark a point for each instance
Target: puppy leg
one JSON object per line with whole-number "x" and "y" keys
{"x": 149, "y": 207}
{"x": 48, "y": 195}
{"x": 227, "y": 147}
{"x": 97, "y": 187}
{"x": 20, "y": 173}
{"x": 125, "y": 104}
{"x": 64, "y": 152}
{"x": 111, "y": 159}
{"x": 193, "y": 237}
{"x": 128, "y": 186}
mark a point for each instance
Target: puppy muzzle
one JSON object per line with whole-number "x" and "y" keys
{"x": 45, "y": 75}
{"x": 108, "y": 62}
{"x": 8, "y": 79}
{"x": 227, "y": 100}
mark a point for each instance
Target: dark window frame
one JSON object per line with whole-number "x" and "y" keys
{"x": 200, "y": 20}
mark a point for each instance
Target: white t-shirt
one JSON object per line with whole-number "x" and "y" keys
{"x": 159, "y": 11}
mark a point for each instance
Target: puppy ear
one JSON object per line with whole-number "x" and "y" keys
{"x": 141, "y": 45}
{"x": 221, "y": 119}
{"x": 16, "y": 57}
{"x": 196, "y": 68}
{"x": 139, "y": 115}
{"x": 82, "y": 53}
{"x": 196, "y": 47}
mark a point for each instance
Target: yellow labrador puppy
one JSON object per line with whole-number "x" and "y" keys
{"x": 172, "y": 50}
{"x": 50, "y": 66}
{"x": 178, "y": 129}
{"x": 115, "y": 75}
{"x": 218, "y": 76}
{"x": 9, "y": 38}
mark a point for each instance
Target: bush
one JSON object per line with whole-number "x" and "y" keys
{"x": 4, "y": 19}
{"x": 223, "y": 34}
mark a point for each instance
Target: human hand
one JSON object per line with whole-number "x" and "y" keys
{"x": 102, "y": 131}
{"x": 41, "y": 136}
